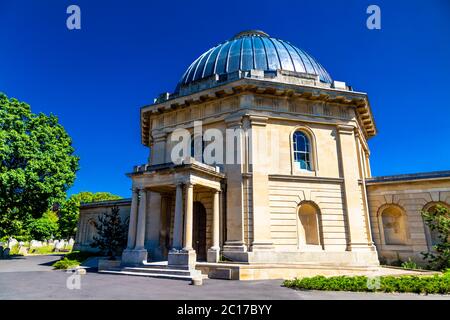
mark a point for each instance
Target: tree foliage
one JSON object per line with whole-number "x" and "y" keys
{"x": 69, "y": 210}
{"x": 112, "y": 233}
{"x": 37, "y": 164}
{"x": 438, "y": 219}
{"x": 45, "y": 227}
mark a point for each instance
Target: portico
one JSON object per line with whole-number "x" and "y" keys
{"x": 168, "y": 194}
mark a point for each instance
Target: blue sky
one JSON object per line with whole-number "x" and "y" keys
{"x": 127, "y": 52}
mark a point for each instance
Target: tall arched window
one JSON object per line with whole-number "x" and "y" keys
{"x": 308, "y": 226}
{"x": 394, "y": 225}
{"x": 302, "y": 151}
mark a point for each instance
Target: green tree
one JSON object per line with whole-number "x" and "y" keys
{"x": 70, "y": 210}
{"x": 45, "y": 227}
{"x": 112, "y": 233}
{"x": 438, "y": 219}
{"x": 37, "y": 164}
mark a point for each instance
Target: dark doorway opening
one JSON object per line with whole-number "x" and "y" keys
{"x": 199, "y": 231}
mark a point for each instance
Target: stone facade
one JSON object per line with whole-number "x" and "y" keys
{"x": 267, "y": 208}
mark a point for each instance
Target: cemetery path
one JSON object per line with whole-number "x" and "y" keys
{"x": 32, "y": 277}
{"x": 29, "y": 263}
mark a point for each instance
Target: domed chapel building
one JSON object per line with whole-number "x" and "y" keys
{"x": 299, "y": 194}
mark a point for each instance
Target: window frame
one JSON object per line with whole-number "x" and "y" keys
{"x": 295, "y": 170}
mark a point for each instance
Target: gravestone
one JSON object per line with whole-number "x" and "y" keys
{"x": 6, "y": 253}
{"x": 59, "y": 245}
{"x": 23, "y": 250}
{"x": 12, "y": 242}
{"x": 71, "y": 242}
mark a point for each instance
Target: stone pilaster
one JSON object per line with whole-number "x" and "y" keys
{"x": 259, "y": 169}
{"x": 234, "y": 243}
{"x": 356, "y": 217}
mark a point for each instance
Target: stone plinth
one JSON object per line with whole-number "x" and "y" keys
{"x": 213, "y": 255}
{"x": 182, "y": 259}
{"x": 134, "y": 257}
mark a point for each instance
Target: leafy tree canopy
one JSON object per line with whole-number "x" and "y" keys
{"x": 37, "y": 164}
{"x": 70, "y": 210}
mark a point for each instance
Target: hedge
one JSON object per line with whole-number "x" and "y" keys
{"x": 417, "y": 284}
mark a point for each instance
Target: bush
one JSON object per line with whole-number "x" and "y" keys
{"x": 65, "y": 263}
{"x": 438, "y": 284}
{"x": 73, "y": 259}
{"x": 410, "y": 265}
{"x": 437, "y": 219}
{"x": 112, "y": 233}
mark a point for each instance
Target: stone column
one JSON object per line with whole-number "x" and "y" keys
{"x": 188, "y": 218}
{"x": 140, "y": 233}
{"x": 214, "y": 251}
{"x": 187, "y": 257}
{"x": 164, "y": 223}
{"x": 136, "y": 254}
{"x": 132, "y": 222}
{"x": 178, "y": 219}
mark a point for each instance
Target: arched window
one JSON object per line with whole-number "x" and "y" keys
{"x": 308, "y": 226}
{"x": 302, "y": 151}
{"x": 394, "y": 225}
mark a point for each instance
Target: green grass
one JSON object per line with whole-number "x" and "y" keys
{"x": 438, "y": 284}
{"x": 42, "y": 250}
{"x": 73, "y": 259}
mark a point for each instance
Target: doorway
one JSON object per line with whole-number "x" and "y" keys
{"x": 199, "y": 230}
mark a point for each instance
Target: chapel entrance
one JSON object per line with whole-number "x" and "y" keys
{"x": 199, "y": 230}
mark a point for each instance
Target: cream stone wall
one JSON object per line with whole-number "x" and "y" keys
{"x": 285, "y": 198}
{"x": 410, "y": 197}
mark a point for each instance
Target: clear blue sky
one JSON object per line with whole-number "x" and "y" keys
{"x": 127, "y": 52}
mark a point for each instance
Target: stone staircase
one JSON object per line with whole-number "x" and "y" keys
{"x": 157, "y": 270}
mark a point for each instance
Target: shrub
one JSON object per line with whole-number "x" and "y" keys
{"x": 438, "y": 219}
{"x": 65, "y": 263}
{"x": 112, "y": 233}
{"x": 73, "y": 259}
{"x": 410, "y": 264}
{"x": 438, "y": 284}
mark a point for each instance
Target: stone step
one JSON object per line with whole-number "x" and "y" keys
{"x": 157, "y": 270}
{"x": 153, "y": 275}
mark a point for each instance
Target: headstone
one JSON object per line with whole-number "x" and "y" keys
{"x": 59, "y": 244}
{"x": 23, "y": 250}
{"x": 12, "y": 242}
{"x": 6, "y": 253}
{"x": 71, "y": 242}
{"x": 35, "y": 244}
{"x": 21, "y": 243}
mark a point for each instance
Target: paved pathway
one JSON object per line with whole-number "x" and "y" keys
{"x": 33, "y": 278}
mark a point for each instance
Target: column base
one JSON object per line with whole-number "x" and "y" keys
{"x": 213, "y": 255}
{"x": 182, "y": 259}
{"x": 235, "y": 251}
{"x": 132, "y": 257}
